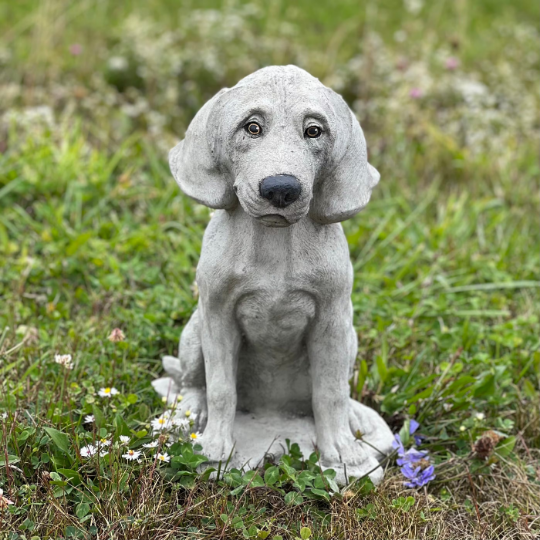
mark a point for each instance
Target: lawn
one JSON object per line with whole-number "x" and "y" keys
{"x": 95, "y": 235}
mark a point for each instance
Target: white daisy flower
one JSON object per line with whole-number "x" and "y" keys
{"x": 131, "y": 455}
{"x": 4, "y": 501}
{"x": 182, "y": 423}
{"x": 480, "y": 416}
{"x": 107, "y": 392}
{"x": 193, "y": 417}
{"x": 165, "y": 458}
{"x": 152, "y": 444}
{"x": 124, "y": 439}
{"x": 89, "y": 419}
{"x": 195, "y": 436}
{"x": 104, "y": 442}
{"x": 88, "y": 451}
{"x": 64, "y": 360}
{"x": 162, "y": 422}
{"x": 4, "y": 415}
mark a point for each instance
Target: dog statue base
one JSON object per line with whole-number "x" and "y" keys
{"x": 261, "y": 437}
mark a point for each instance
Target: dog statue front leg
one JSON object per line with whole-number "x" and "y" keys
{"x": 330, "y": 350}
{"x": 220, "y": 344}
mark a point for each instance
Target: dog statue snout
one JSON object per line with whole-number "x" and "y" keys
{"x": 281, "y": 190}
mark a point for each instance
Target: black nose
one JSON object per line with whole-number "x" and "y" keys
{"x": 280, "y": 190}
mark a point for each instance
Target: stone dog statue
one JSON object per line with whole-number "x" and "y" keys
{"x": 268, "y": 353}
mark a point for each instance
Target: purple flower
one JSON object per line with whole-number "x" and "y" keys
{"x": 411, "y": 456}
{"x": 413, "y": 427}
{"x": 418, "y": 476}
{"x": 398, "y": 445}
{"x": 415, "y": 465}
{"x": 416, "y": 93}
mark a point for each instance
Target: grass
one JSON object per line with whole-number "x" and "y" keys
{"x": 95, "y": 235}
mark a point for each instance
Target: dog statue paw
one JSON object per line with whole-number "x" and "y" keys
{"x": 268, "y": 352}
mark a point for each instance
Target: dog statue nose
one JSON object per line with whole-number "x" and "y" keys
{"x": 280, "y": 190}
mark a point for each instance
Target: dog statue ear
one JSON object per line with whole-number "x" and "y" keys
{"x": 195, "y": 161}
{"x": 345, "y": 185}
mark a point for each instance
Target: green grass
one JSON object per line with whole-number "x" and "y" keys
{"x": 95, "y": 235}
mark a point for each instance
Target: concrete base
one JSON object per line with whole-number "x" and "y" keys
{"x": 258, "y": 436}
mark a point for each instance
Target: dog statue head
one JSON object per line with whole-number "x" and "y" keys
{"x": 281, "y": 144}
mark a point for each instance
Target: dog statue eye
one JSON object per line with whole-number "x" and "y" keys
{"x": 313, "y": 132}
{"x": 253, "y": 128}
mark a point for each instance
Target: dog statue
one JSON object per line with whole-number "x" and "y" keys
{"x": 268, "y": 353}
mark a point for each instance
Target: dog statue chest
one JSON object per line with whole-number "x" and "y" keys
{"x": 275, "y": 318}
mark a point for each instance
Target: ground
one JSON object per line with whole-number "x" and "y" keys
{"x": 95, "y": 235}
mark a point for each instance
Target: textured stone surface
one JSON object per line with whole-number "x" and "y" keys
{"x": 271, "y": 346}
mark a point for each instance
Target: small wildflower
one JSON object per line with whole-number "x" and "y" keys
{"x": 165, "y": 458}
{"x": 413, "y": 428}
{"x": 416, "y": 93}
{"x": 117, "y": 335}
{"x": 88, "y": 451}
{"x": 4, "y": 415}
{"x": 104, "y": 442}
{"x": 4, "y": 501}
{"x": 164, "y": 399}
{"x": 179, "y": 397}
{"x": 188, "y": 413}
{"x": 89, "y": 419}
{"x": 411, "y": 456}
{"x": 420, "y": 475}
{"x": 153, "y": 444}
{"x": 162, "y": 422}
{"x": 124, "y": 439}
{"x": 64, "y": 360}
{"x": 75, "y": 49}
{"x": 451, "y": 63}
{"x": 131, "y": 455}
{"x": 480, "y": 416}
{"x": 182, "y": 423}
{"x": 107, "y": 392}
{"x": 195, "y": 436}
{"x": 462, "y": 428}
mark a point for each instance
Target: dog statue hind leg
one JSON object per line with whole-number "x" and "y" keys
{"x": 186, "y": 375}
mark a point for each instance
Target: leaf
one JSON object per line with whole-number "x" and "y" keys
{"x": 60, "y": 439}
{"x": 82, "y": 510}
{"x": 271, "y": 476}
{"x": 382, "y": 370}
{"x": 121, "y": 427}
{"x": 293, "y": 498}
{"x": 253, "y": 479}
{"x": 320, "y": 493}
{"x": 305, "y": 533}
{"x": 72, "y": 476}
{"x": 362, "y": 376}
{"x": 506, "y": 446}
{"x": 98, "y": 415}
{"x": 11, "y": 460}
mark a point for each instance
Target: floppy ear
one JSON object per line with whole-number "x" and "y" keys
{"x": 345, "y": 185}
{"x": 195, "y": 161}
